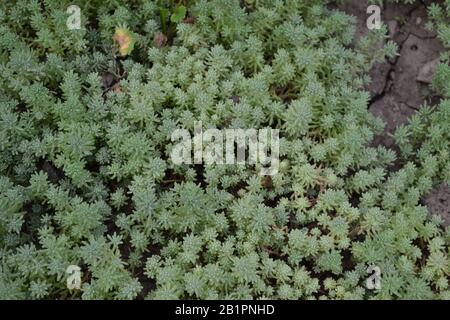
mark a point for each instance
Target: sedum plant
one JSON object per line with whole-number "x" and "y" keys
{"x": 86, "y": 177}
{"x": 425, "y": 139}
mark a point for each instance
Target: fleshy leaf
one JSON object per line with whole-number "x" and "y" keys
{"x": 124, "y": 38}
{"x": 178, "y": 14}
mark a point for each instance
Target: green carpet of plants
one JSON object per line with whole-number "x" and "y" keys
{"x": 86, "y": 178}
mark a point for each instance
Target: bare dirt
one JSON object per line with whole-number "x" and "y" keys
{"x": 400, "y": 86}
{"x": 438, "y": 202}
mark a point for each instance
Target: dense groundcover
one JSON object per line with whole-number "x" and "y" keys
{"x": 87, "y": 180}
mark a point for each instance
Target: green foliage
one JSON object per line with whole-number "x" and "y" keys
{"x": 86, "y": 177}
{"x": 426, "y": 137}
{"x": 171, "y": 13}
